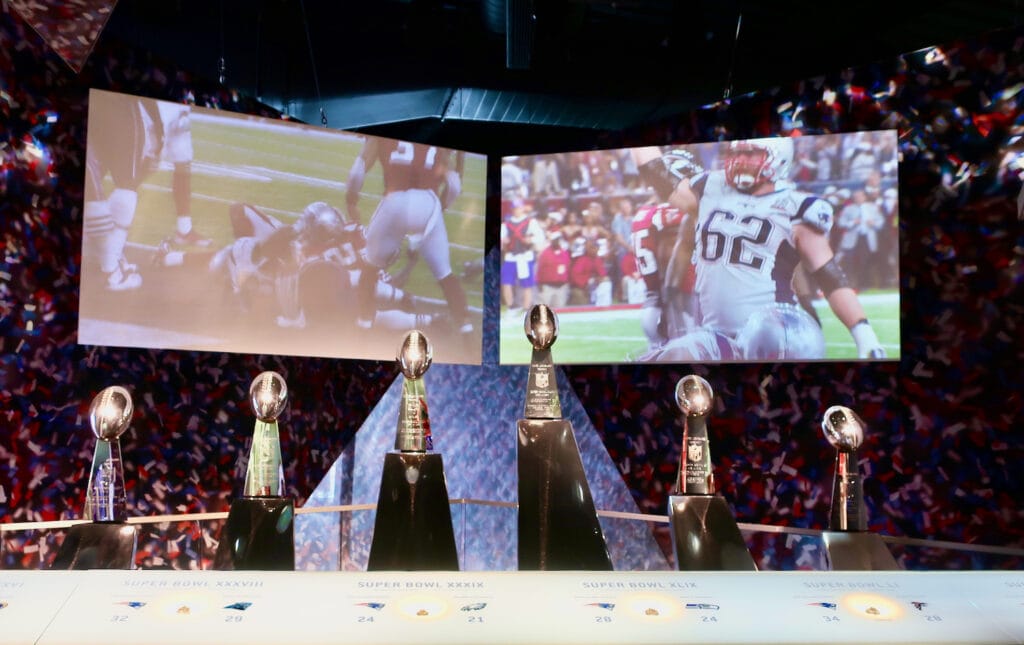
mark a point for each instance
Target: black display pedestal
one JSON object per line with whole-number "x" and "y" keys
{"x": 98, "y": 545}
{"x": 558, "y": 525}
{"x": 259, "y": 536}
{"x": 857, "y": 551}
{"x": 706, "y": 536}
{"x": 413, "y": 528}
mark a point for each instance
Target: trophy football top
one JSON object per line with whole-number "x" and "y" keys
{"x": 110, "y": 413}
{"x": 694, "y": 395}
{"x": 415, "y": 355}
{"x": 843, "y": 428}
{"x": 541, "y": 327}
{"x": 268, "y": 395}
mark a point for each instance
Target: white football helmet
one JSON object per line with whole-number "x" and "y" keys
{"x": 781, "y": 332}
{"x": 750, "y": 163}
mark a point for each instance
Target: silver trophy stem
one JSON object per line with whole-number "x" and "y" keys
{"x": 413, "y": 418}
{"x": 105, "y": 497}
{"x": 264, "y": 474}
{"x": 695, "y": 474}
{"x": 848, "y": 512}
{"x": 542, "y": 400}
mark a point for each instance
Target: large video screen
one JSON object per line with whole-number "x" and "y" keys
{"x": 776, "y": 249}
{"x": 206, "y": 230}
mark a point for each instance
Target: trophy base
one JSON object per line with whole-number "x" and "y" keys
{"x": 558, "y": 525}
{"x": 98, "y": 545}
{"x": 258, "y": 536}
{"x": 413, "y": 527}
{"x": 857, "y": 551}
{"x": 706, "y": 536}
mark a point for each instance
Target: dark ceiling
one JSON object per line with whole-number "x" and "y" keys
{"x": 484, "y": 74}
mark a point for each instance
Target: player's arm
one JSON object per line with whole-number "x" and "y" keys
{"x": 669, "y": 183}
{"x": 357, "y": 175}
{"x": 452, "y": 187}
{"x": 819, "y": 261}
{"x": 685, "y": 199}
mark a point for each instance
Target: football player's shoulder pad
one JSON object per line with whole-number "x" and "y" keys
{"x": 815, "y": 212}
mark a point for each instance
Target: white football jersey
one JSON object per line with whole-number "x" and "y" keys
{"x": 744, "y": 254}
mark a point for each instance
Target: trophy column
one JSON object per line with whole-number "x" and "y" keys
{"x": 413, "y": 528}
{"x": 558, "y": 524}
{"x": 849, "y": 545}
{"x": 106, "y": 541}
{"x": 704, "y": 531}
{"x": 260, "y": 531}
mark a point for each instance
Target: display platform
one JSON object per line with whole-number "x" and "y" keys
{"x": 112, "y": 607}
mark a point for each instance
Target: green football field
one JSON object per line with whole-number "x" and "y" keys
{"x": 615, "y": 336}
{"x": 280, "y": 168}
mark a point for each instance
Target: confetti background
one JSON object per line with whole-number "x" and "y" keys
{"x": 945, "y": 445}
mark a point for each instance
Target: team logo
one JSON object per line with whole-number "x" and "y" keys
{"x": 542, "y": 379}
{"x": 785, "y": 204}
{"x": 694, "y": 451}
{"x": 477, "y": 606}
{"x": 238, "y": 606}
{"x": 371, "y": 605}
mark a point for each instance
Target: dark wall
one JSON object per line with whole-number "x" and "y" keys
{"x": 945, "y": 442}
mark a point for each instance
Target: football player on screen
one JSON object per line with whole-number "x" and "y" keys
{"x": 306, "y": 272}
{"x": 656, "y": 244}
{"x": 177, "y": 151}
{"x": 411, "y": 209}
{"x": 753, "y": 229}
{"x": 129, "y": 157}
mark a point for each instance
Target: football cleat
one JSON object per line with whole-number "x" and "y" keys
{"x": 124, "y": 278}
{"x": 192, "y": 238}
{"x": 298, "y": 322}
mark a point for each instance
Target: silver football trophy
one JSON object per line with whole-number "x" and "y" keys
{"x": 105, "y": 541}
{"x": 849, "y": 545}
{"x": 558, "y": 524}
{"x": 413, "y": 528}
{"x": 259, "y": 534}
{"x": 704, "y": 531}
